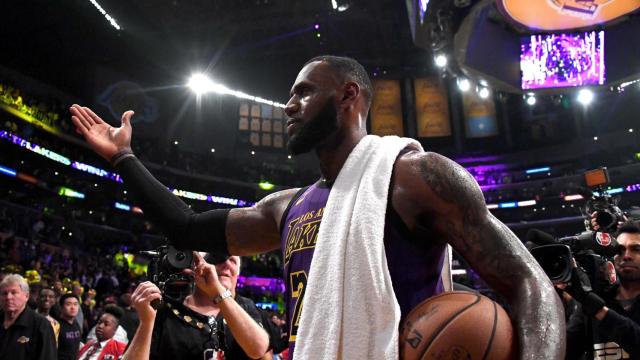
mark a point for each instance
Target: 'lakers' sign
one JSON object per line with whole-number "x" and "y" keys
{"x": 565, "y": 14}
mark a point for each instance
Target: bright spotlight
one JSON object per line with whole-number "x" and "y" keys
{"x": 585, "y": 96}
{"x": 441, "y": 60}
{"x": 531, "y": 100}
{"x": 483, "y": 92}
{"x": 200, "y": 83}
{"x": 464, "y": 84}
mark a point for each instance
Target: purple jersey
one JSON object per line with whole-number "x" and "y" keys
{"x": 415, "y": 263}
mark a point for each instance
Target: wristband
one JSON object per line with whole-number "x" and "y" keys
{"x": 226, "y": 294}
{"x": 120, "y": 155}
{"x": 592, "y": 303}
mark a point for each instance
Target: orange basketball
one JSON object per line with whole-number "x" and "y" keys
{"x": 457, "y": 325}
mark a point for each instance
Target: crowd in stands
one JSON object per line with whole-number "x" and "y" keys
{"x": 45, "y": 251}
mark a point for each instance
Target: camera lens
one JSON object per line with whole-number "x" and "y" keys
{"x": 605, "y": 219}
{"x": 554, "y": 266}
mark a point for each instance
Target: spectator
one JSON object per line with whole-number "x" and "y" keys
{"x": 105, "y": 346}
{"x": 210, "y": 323}
{"x": 24, "y": 333}
{"x": 70, "y": 332}
{"x": 46, "y": 300}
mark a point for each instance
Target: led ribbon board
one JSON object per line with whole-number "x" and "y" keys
{"x": 111, "y": 175}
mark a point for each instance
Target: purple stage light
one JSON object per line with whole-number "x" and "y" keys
{"x": 316, "y": 26}
{"x": 562, "y": 60}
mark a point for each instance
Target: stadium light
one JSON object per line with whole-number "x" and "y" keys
{"x": 531, "y": 100}
{"x": 201, "y": 84}
{"x": 464, "y": 84}
{"x": 266, "y": 185}
{"x": 106, "y": 15}
{"x": 483, "y": 92}
{"x": 440, "y": 60}
{"x": 585, "y": 96}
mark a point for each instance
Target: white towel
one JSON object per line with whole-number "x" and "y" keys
{"x": 350, "y": 310}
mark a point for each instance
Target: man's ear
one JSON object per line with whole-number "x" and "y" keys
{"x": 350, "y": 94}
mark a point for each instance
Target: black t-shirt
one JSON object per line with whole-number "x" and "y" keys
{"x": 617, "y": 336}
{"x": 30, "y": 337}
{"x": 181, "y": 333}
{"x": 69, "y": 340}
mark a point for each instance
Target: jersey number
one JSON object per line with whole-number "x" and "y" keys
{"x": 298, "y": 282}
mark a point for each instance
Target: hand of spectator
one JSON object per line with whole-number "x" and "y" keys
{"x": 105, "y": 139}
{"x": 594, "y": 222}
{"x": 206, "y": 276}
{"x": 141, "y": 301}
{"x": 582, "y": 291}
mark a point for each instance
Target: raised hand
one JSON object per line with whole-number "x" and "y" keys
{"x": 104, "y": 139}
{"x": 206, "y": 276}
{"x": 141, "y": 300}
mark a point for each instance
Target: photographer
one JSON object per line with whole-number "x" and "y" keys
{"x": 612, "y": 319}
{"x": 211, "y": 320}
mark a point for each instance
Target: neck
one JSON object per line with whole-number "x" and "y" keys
{"x": 68, "y": 319}
{"x": 11, "y": 316}
{"x": 201, "y": 303}
{"x": 628, "y": 290}
{"x": 335, "y": 151}
{"x": 42, "y": 311}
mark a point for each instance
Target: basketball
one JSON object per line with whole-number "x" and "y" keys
{"x": 457, "y": 325}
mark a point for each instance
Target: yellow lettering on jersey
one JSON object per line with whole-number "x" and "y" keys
{"x": 303, "y": 232}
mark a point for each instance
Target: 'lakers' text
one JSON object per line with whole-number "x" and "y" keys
{"x": 303, "y": 232}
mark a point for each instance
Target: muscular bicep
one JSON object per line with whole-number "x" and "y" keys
{"x": 255, "y": 229}
{"x": 452, "y": 205}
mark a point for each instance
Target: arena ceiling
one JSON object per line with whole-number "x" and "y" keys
{"x": 254, "y": 45}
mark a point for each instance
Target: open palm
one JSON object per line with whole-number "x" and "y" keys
{"x": 103, "y": 138}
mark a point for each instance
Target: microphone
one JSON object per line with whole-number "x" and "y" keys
{"x": 149, "y": 253}
{"x": 600, "y": 242}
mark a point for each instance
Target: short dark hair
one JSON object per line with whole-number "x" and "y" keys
{"x": 631, "y": 227}
{"x": 351, "y": 69}
{"x": 114, "y": 310}
{"x": 66, "y": 296}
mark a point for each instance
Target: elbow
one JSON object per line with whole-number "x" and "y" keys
{"x": 259, "y": 348}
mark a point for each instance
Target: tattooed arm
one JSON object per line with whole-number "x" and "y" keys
{"x": 442, "y": 196}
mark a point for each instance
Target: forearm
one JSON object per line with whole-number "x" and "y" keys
{"x": 185, "y": 228}
{"x": 251, "y": 337}
{"x": 139, "y": 348}
{"x": 538, "y": 317}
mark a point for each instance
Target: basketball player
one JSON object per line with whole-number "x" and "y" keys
{"x": 432, "y": 201}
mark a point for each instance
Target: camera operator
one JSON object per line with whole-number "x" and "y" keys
{"x": 613, "y": 317}
{"x": 211, "y": 320}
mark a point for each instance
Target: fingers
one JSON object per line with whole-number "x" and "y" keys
{"x": 145, "y": 293}
{"x": 82, "y": 114}
{"x": 93, "y": 118}
{"x": 81, "y": 126}
{"x": 126, "y": 118}
{"x": 189, "y": 272}
{"x": 197, "y": 259}
{"x": 80, "y": 118}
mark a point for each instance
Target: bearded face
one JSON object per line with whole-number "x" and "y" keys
{"x": 304, "y": 136}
